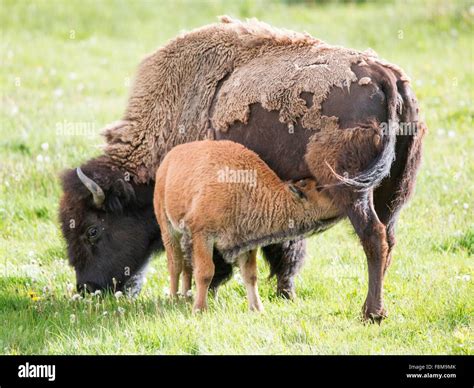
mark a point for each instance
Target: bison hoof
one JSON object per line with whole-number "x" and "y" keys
{"x": 375, "y": 317}
{"x": 286, "y": 290}
{"x": 286, "y": 294}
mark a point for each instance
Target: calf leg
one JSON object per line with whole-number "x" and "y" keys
{"x": 373, "y": 236}
{"x": 175, "y": 267}
{"x": 203, "y": 270}
{"x": 187, "y": 278}
{"x": 175, "y": 260}
{"x": 285, "y": 262}
{"x": 248, "y": 269}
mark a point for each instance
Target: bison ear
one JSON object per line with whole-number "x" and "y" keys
{"x": 120, "y": 195}
{"x": 117, "y": 131}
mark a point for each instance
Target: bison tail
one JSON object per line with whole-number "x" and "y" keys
{"x": 379, "y": 168}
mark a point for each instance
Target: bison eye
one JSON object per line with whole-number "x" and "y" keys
{"x": 92, "y": 233}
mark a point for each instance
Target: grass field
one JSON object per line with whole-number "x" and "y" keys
{"x": 69, "y": 63}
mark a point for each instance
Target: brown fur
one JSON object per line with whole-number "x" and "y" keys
{"x": 175, "y": 86}
{"x": 333, "y": 152}
{"x": 197, "y": 212}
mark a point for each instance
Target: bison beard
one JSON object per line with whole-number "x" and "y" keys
{"x": 294, "y": 100}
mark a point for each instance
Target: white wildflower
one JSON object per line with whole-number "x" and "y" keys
{"x": 118, "y": 294}
{"x": 76, "y": 297}
{"x": 69, "y": 287}
{"x": 58, "y": 92}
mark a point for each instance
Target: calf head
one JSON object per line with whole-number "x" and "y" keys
{"x": 305, "y": 189}
{"x": 314, "y": 196}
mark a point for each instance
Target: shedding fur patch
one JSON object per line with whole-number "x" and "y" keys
{"x": 174, "y": 88}
{"x": 364, "y": 81}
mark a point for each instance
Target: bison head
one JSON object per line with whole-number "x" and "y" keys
{"x": 109, "y": 226}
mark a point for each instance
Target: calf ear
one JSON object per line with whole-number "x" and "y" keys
{"x": 120, "y": 195}
{"x": 302, "y": 182}
{"x": 295, "y": 190}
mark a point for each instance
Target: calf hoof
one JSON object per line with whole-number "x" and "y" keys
{"x": 199, "y": 309}
{"x": 258, "y": 308}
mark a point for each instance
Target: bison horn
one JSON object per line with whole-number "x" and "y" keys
{"x": 94, "y": 188}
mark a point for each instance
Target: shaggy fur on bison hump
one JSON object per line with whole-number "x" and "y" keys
{"x": 173, "y": 91}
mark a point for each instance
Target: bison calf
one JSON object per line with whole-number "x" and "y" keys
{"x": 221, "y": 195}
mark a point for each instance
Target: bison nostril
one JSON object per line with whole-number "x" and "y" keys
{"x": 83, "y": 288}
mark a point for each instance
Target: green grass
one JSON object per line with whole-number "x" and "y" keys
{"x": 71, "y": 61}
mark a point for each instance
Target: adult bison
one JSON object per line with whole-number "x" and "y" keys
{"x": 305, "y": 107}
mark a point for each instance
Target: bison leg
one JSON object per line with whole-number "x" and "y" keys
{"x": 285, "y": 262}
{"x": 389, "y": 219}
{"x": 223, "y": 272}
{"x": 373, "y": 236}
